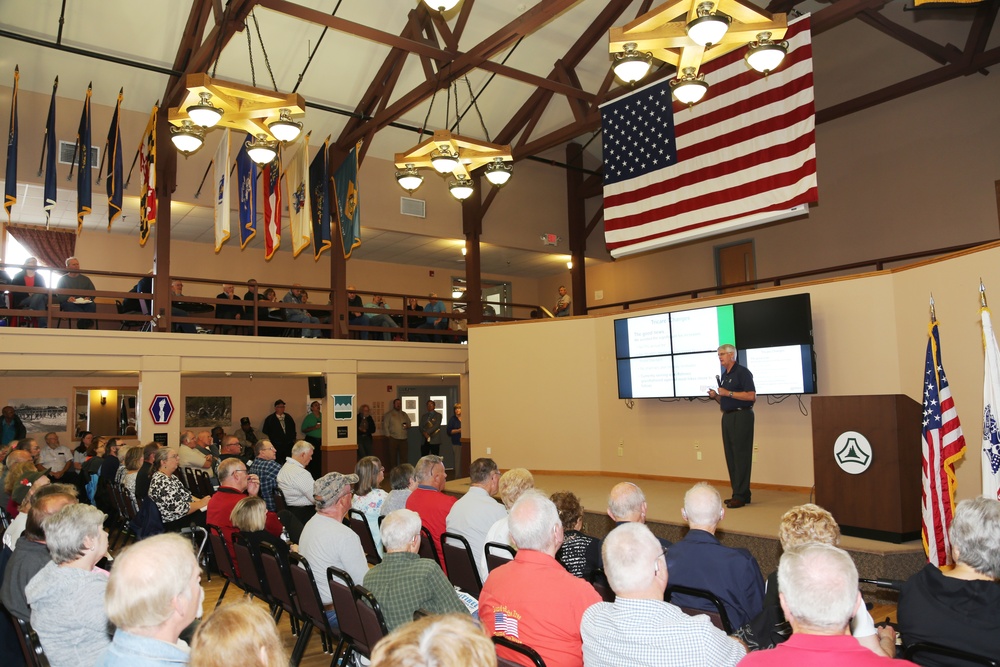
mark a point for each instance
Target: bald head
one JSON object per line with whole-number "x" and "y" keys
{"x": 626, "y": 502}
{"x": 703, "y": 507}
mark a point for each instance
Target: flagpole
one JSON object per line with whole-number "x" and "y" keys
{"x": 45, "y": 135}
{"x": 100, "y": 169}
{"x": 134, "y": 159}
{"x": 982, "y": 294}
{"x": 933, "y": 314}
{"x": 203, "y": 177}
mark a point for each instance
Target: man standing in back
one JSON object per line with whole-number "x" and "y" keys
{"x": 397, "y": 424}
{"x": 279, "y": 428}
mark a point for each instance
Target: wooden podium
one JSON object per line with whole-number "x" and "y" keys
{"x": 883, "y": 501}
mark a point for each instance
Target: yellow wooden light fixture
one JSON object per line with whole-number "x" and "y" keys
{"x": 449, "y": 153}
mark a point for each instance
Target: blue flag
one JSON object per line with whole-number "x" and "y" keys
{"x": 246, "y": 179}
{"x": 348, "y": 198}
{"x": 83, "y": 193}
{"x": 115, "y": 180}
{"x": 10, "y": 182}
{"x": 319, "y": 188}
{"x": 50, "y": 157}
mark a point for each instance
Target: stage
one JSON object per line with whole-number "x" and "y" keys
{"x": 754, "y": 527}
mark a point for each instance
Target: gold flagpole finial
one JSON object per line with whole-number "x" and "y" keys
{"x": 982, "y": 294}
{"x": 933, "y": 314}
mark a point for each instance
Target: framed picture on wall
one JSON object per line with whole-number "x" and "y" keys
{"x": 41, "y": 415}
{"x": 202, "y": 411}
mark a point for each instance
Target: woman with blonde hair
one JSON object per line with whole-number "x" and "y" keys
{"x": 249, "y": 516}
{"x": 451, "y": 640}
{"x": 513, "y": 484}
{"x": 240, "y": 633}
{"x": 368, "y": 497}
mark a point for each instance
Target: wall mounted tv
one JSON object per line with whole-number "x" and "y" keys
{"x": 675, "y": 355}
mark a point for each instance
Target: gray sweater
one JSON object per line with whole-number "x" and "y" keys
{"x": 67, "y": 612}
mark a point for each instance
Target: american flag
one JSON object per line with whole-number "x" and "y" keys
{"x": 504, "y": 624}
{"x": 941, "y": 446}
{"x": 743, "y": 156}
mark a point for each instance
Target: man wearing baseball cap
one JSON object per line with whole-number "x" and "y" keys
{"x": 279, "y": 428}
{"x": 326, "y": 541}
{"x": 247, "y": 434}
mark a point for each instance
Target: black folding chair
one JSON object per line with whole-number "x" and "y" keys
{"x": 719, "y": 617}
{"x": 427, "y": 549}
{"x": 250, "y": 575}
{"x": 311, "y": 609}
{"x": 498, "y": 554}
{"x": 915, "y": 652}
{"x": 352, "y": 630}
{"x": 600, "y": 583}
{"x": 279, "y": 500}
{"x": 460, "y": 563}
{"x": 359, "y": 524}
{"x": 275, "y": 571}
{"x": 522, "y": 649}
{"x": 31, "y": 647}
{"x": 371, "y": 616}
{"x": 223, "y": 562}
{"x": 202, "y": 484}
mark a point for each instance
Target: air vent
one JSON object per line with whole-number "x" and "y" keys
{"x": 67, "y": 149}
{"x": 416, "y": 208}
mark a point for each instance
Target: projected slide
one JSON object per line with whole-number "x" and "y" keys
{"x": 648, "y": 336}
{"x": 776, "y": 370}
{"x": 694, "y": 373}
{"x": 650, "y": 377}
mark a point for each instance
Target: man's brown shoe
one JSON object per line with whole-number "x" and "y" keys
{"x": 735, "y": 503}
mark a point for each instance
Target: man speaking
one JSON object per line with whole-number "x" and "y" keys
{"x": 736, "y": 396}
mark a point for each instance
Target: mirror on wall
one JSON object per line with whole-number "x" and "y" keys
{"x": 107, "y": 411}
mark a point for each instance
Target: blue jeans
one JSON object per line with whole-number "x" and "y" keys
{"x": 361, "y": 320}
{"x": 292, "y": 316}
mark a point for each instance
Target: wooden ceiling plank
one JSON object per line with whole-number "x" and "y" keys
{"x": 940, "y": 54}
{"x": 568, "y": 76}
{"x": 463, "y": 19}
{"x": 841, "y": 12}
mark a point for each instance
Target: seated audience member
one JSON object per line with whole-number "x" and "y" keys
{"x": 9, "y": 478}
{"x": 29, "y": 277}
{"x": 413, "y": 321}
{"x": 326, "y": 541}
{"x": 31, "y": 446}
{"x": 297, "y": 295}
{"x": 252, "y": 521}
{"x": 241, "y": 634}
{"x": 640, "y": 629}
{"x": 235, "y": 484}
{"x": 436, "y": 641}
{"x": 403, "y": 481}
{"x": 512, "y": 484}
{"x": 23, "y": 474}
{"x": 380, "y": 319}
{"x": 153, "y": 594}
{"x": 229, "y": 312}
{"x": 133, "y": 462}
{"x": 31, "y": 481}
{"x": 701, "y": 561}
{"x": 356, "y": 317}
{"x": 231, "y": 449}
{"x": 533, "y": 599}
{"x": 268, "y": 312}
{"x": 476, "y": 512}
{"x": 819, "y": 594}
{"x": 80, "y": 452}
{"x": 959, "y": 608}
{"x": 435, "y": 323}
{"x": 428, "y": 499}
{"x": 572, "y": 553}
{"x": 77, "y": 301}
{"x": 57, "y": 459}
{"x": 368, "y": 497}
{"x": 67, "y": 595}
{"x": 266, "y": 469}
{"x": 145, "y": 474}
{"x": 802, "y": 525}
{"x": 32, "y": 554}
{"x": 626, "y": 504}
{"x": 11, "y": 426}
{"x": 404, "y": 582}
{"x": 194, "y": 457}
{"x": 296, "y": 483}
{"x": 177, "y": 295}
{"x": 246, "y": 433}
{"x": 178, "y": 508}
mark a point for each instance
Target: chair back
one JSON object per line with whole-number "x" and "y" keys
{"x": 371, "y": 616}
{"x": 202, "y": 483}
{"x": 427, "y": 549}
{"x": 719, "y": 617}
{"x": 246, "y": 563}
{"x": 279, "y": 500}
{"x": 306, "y": 594}
{"x": 460, "y": 564}
{"x": 351, "y": 627}
{"x": 221, "y": 552}
{"x": 498, "y": 554}
{"x": 958, "y": 657}
{"x": 187, "y": 476}
{"x": 31, "y": 647}
{"x": 523, "y": 649}
{"x": 358, "y": 522}
{"x": 275, "y": 571}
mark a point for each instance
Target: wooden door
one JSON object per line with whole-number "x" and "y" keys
{"x": 735, "y": 264}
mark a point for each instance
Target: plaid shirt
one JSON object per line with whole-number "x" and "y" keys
{"x": 267, "y": 472}
{"x": 652, "y": 633}
{"x": 404, "y": 582}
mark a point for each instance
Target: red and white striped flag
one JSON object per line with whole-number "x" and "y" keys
{"x": 743, "y": 156}
{"x": 941, "y": 446}
{"x": 272, "y": 208}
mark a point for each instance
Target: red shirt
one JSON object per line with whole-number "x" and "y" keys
{"x": 535, "y": 601}
{"x": 433, "y": 507}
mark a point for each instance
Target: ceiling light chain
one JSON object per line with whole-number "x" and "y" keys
{"x": 267, "y": 61}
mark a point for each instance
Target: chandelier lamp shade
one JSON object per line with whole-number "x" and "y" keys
{"x": 686, "y": 34}
{"x": 441, "y": 5}
{"x": 266, "y": 115}
{"x": 457, "y": 156}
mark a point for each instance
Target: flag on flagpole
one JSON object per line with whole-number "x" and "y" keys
{"x": 147, "y": 169}
{"x": 222, "y": 198}
{"x": 246, "y": 178}
{"x": 743, "y": 156}
{"x": 348, "y": 201}
{"x": 272, "y": 207}
{"x": 991, "y": 410}
{"x": 115, "y": 167}
{"x": 83, "y": 177}
{"x": 319, "y": 190}
{"x": 942, "y": 445}
{"x": 10, "y": 180}
{"x": 50, "y": 157}
{"x": 299, "y": 200}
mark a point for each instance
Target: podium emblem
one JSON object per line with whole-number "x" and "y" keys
{"x": 852, "y": 452}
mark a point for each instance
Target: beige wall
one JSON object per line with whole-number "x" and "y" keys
{"x": 870, "y": 332}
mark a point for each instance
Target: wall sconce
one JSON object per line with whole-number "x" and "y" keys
{"x": 104, "y": 397}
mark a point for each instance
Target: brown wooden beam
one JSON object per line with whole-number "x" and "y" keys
{"x": 572, "y": 91}
{"x": 931, "y": 49}
{"x": 841, "y": 12}
{"x": 463, "y": 18}
{"x": 472, "y": 226}
{"x": 576, "y": 227}
{"x": 594, "y": 184}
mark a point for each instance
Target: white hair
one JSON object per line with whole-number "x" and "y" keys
{"x": 625, "y": 500}
{"x": 975, "y": 533}
{"x": 399, "y": 528}
{"x": 703, "y": 505}
{"x": 630, "y": 553}
{"x": 533, "y": 519}
{"x": 819, "y": 583}
{"x": 300, "y": 447}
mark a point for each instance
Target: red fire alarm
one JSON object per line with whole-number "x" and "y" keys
{"x": 431, "y": 273}
{"x": 388, "y": 388}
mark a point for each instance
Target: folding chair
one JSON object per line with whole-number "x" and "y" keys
{"x": 522, "y": 649}
{"x": 371, "y": 617}
{"x": 921, "y": 649}
{"x": 352, "y": 630}
{"x": 249, "y": 573}
{"x": 223, "y": 562}
{"x": 719, "y": 617}
{"x": 279, "y": 500}
{"x": 31, "y": 647}
{"x": 311, "y": 609}
{"x": 202, "y": 484}
{"x": 275, "y": 571}
{"x": 359, "y": 524}
{"x": 427, "y": 549}
{"x": 498, "y": 554}
{"x": 460, "y": 563}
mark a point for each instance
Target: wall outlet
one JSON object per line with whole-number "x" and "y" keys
{"x": 598, "y": 294}
{"x": 698, "y": 455}
{"x": 621, "y": 450}
{"x": 697, "y": 445}
{"x": 753, "y": 459}
{"x": 489, "y": 450}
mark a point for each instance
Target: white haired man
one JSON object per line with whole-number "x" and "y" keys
{"x": 533, "y": 599}
{"x": 77, "y": 301}
{"x": 701, "y": 561}
{"x": 818, "y": 590}
{"x": 736, "y": 396}
{"x": 404, "y": 582}
{"x": 640, "y": 629}
{"x": 296, "y": 483}
{"x": 626, "y": 504}
{"x": 153, "y": 593}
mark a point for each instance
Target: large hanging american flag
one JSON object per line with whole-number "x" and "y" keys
{"x": 942, "y": 445}
{"x": 743, "y": 156}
